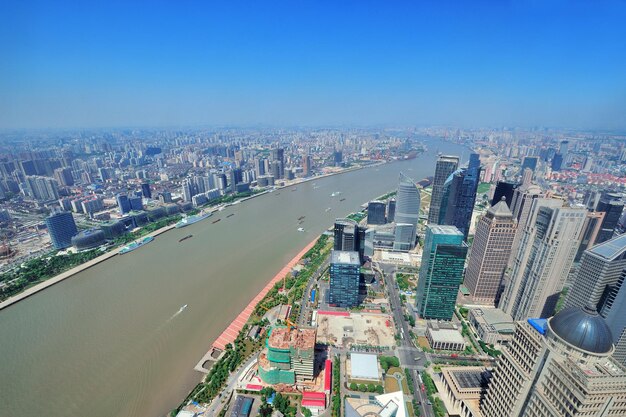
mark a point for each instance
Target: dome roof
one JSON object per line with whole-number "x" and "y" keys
{"x": 584, "y": 328}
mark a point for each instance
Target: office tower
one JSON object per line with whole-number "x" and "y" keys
{"x": 404, "y": 237}
{"x": 135, "y": 203}
{"x": 557, "y": 162}
{"x": 564, "y": 148}
{"x": 543, "y": 260}
{"x": 61, "y": 228}
{"x": 590, "y": 231}
{"x": 41, "y": 188}
{"x": 345, "y": 269}
{"x": 592, "y": 198}
{"x": 306, "y": 165}
{"x": 391, "y": 210}
{"x": 612, "y": 206}
{"x": 187, "y": 190}
{"x": 407, "y": 209}
{"x": 376, "y": 212}
{"x": 145, "y": 190}
{"x": 441, "y": 273}
{"x": 337, "y": 158}
{"x": 64, "y": 176}
{"x": 523, "y": 198}
{"x": 346, "y": 235}
{"x": 561, "y": 367}
{"x": 503, "y": 189}
{"x": 259, "y": 167}
{"x": 276, "y": 170}
{"x": 490, "y": 253}
{"x": 459, "y": 196}
{"x": 614, "y": 311}
{"x": 446, "y": 165}
{"x": 236, "y": 177}
{"x": 122, "y": 203}
{"x": 529, "y": 162}
{"x": 599, "y": 276}
{"x": 527, "y": 177}
{"x": 165, "y": 197}
{"x": 278, "y": 157}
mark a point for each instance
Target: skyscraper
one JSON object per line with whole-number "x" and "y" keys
{"x": 278, "y": 157}
{"x": 64, "y": 176}
{"x": 440, "y": 276}
{"x": 446, "y": 165}
{"x": 543, "y": 260}
{"x": 145, "y": 190}
{"x": 490, "y": 254}
{"x": 523, "y": 198}
{"x": 529, "y": 162}
{"x": 611, "y": 204}
{"x": 306, "y": 165}
{"x": 503, "y": 189}
{"x": 42, "y": 188}
{"x": 376, "y": 212}
{"x": 459, "y": 196}
{"x": 391, "y": 210}
{"x": 123, "y": 203}
{"x": 598, "y": 283}
{"x": 407, "y": 207}
{"x": 61, "y": 228}
{"x": 346, "y": 235}
{"x": 591, "y": 229}
{"x": 560, "y": 367}
{"x": 344, "y": 278}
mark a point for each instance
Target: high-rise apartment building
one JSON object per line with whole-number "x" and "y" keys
{"x": 561, "y": 367}
{"x": 459, "y": 196}
{"x": 441, "y": 272}
{"x": 446, "y": 165}
{"x": 61, "y": 227}
{"x": 278, "y": 158}
{"x": 41, "y": 188}
{"x": 345, "y": 270}
{"x": 306, "y": 165}
{"x": 407, "y": 211}
{"x": 64, "y": 176}
{"x": 543, "y": 260}
{"x": 612, "y": 206}
{"x": 490, "y": 254}
{"x": 376, "y": 212}
{"x": 530, "y": 162}
{"x": 145, "y": 190}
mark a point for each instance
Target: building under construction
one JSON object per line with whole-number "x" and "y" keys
{"x": 289, "y": 356}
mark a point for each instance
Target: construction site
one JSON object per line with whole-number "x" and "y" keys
{"x": 289, "y": 356}
{"x": 343, "y": 329}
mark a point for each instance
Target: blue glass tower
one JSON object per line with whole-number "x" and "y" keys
{"x": 61, "y": 228}
{"x": 123, "y": 203}
{"x": 441, "y": 273}
{"x": 459, "y": 196}
{"x": 345, "y": 273}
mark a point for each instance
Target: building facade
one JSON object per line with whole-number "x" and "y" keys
{"x": 441, "y": 272}
{"x": 446, "y": 165}
{"x": 544, "y": 259}
{"x": 490, "y": 254}
{"x": 561, "y": 367}
{"x": 376, "y": 212}
{"x": 62, "y": 228}
{"x": 345, "y": 274}
{"x": 407, "y": 209}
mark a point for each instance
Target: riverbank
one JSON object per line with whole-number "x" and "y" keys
{"x": 67, "y": 274}
{"x": 30, "y": 291}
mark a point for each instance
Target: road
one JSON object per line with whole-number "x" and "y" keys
{"x": 231, "y": 382}
{"x": 410, "y": 357}
{"x": 305, "y": 306}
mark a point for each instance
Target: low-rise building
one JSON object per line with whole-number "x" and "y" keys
{"x": 364, "y": 367}
{"x": 493, "y": 326}
{"x": 444, "y": 336}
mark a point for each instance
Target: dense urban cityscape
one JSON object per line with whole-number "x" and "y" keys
{"x": 297, "y": 209}
{"x": 483, "y": 289}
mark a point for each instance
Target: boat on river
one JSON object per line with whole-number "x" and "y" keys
{"x": 187, "y": 220}
{"x": 136, "y": 245}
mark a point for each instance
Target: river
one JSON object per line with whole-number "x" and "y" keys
{"x": 111, "y": 341}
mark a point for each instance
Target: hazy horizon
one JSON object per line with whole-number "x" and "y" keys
{"x": 161, "y": 64}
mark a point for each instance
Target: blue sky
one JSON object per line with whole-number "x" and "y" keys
{"x": 178, "y": 62}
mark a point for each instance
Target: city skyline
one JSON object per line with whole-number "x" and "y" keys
{"x": 246, "y": 64}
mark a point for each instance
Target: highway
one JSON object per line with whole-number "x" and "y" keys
{"x": 411, "y": 357}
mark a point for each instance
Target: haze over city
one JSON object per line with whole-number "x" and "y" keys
{"x": 146, "y": 64}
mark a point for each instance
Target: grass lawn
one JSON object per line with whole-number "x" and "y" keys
{"x": 483, "y": 188}
{"x": 391, "y": 384}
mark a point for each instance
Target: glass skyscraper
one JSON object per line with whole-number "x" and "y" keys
{"x": 459, "y": 196}
{"x": 345, "y": 270}
{"x": 61, "y": 228}
{"x": 441, "y": 273}
{"x": 407, "y": 211}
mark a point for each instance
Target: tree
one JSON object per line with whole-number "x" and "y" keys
{"x": 354, "y": 386}
{"x": 362, "y": 388}
{"x": 371, "y": 388}
{"x": 380, "y": 389}
{"x": 306, "y": 412}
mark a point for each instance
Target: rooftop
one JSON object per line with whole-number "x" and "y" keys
{"x": 444, "y": 229}
{"x": 284, "y": 338}
{"x": 446, "y": 335}
{"x": 363, "y": 366}
{"x": 610, "y": 249}
{"x": 345, "y": 257}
